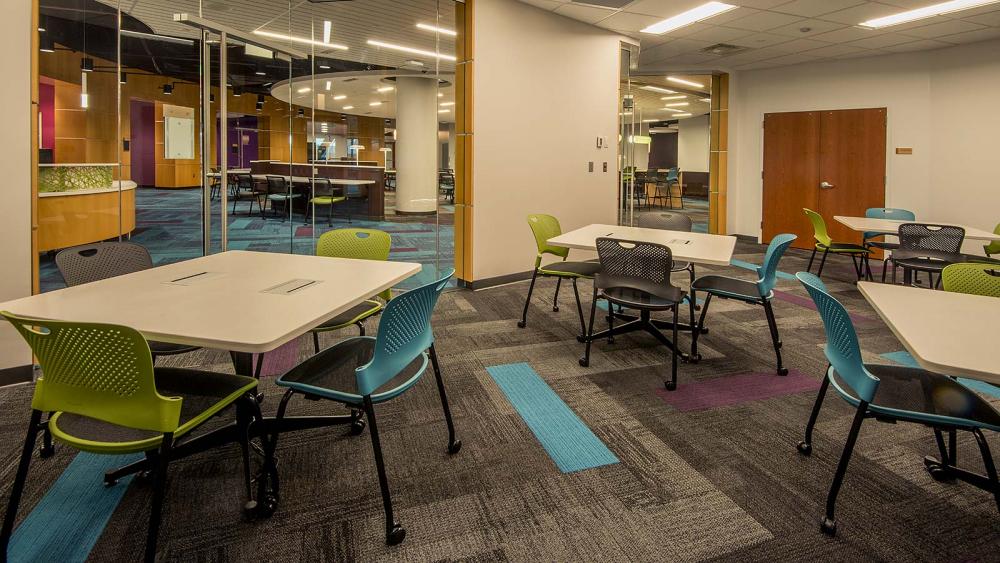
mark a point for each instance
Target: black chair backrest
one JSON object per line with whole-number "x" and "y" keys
{"x": 322, "y": 187}
{"x": 244, "y": 181}
{"x": 666, "y": 221}
{"x": 645, "y": 261}
{"x": 276, "y": 185}
{"x": 102, "y": 260}
{"x": 940, "y": 238}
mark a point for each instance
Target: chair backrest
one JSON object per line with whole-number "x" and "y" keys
{"x": 666, "y": 221}
{"x": 994, "y": 246}
{"x": 635, "y": 259}
{"x": 404, "y": 332}
{"x": 97, "y": 370}
{"x": 887, "y": 213}
{"x": 819, "y": 227}
{"x": 322, "y": 187}
{"x": 942, "y": 238}
{"x": 672, "y": 174}
{"x": 768, "y": 270}
{"x": 276, "y": 185}
{"x": 545, "y": 227}
{"x": 842, "y": 349}
{"x": 101, "y": 260}
{"x": 974, "y": 279}
{"x": 244, "y": 181}
{"x": 363, "y": 244}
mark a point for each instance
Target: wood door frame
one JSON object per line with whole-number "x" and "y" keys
{"x": 760, "y": 152}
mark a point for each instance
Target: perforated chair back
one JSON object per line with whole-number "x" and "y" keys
{"x": 994, "y": 246}
{"x": 276, "y": 185}
{"x": 768, "y": 270}
{"x": 940, "y": 238}
{"x": 244, "y": 181}
{"x": 819, "y": 227}
{"x": 974, "y": 279}
{"x": 102, "y": 260}
{"x": 544, "y": 227}
{"x": 98, "y": 370}
{"x": 634, "y": 259}
{"x": 362, "y": 244}
{"x": 887, "y": 213}
{"x": 404, "y": 333}
{"x": 672, "y": 174}
{"x": 842, "y": 349}
{"x": 666, "y": 221}
{"x": 322, "y": 187}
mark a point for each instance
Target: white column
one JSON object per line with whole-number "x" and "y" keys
{"x": 416, "y": 144}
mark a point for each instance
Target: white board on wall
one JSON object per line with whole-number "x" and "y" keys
{"x": 178, "y": 132}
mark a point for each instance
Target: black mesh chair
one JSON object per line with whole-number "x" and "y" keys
{"x": 926, "y": 248}
{"x": 636, "y": 275}
{"x": 278, "y": 191}
{"x": 670, "y": 222}
{"x": 246, "y": 190}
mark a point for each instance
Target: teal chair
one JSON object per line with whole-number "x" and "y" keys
{"x": 891, "y": 394}
{"x": 362, "y": 371}
{"x": 869, "y": 238}
{"x": 758, "y": 292}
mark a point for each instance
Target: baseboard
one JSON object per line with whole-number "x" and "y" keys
{"x": 16, "y": 374}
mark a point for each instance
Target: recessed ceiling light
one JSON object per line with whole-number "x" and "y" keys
{"x": 446, "y": 104}
{"x": 385, "y": 89}
{"x": 348, "y": 107}
{"x": 324, "y": 67}
{"x": 440, "y": 95}
{"x": 706, "y": 100}
{"x": 673, "y": 110}
{"x": 443, "y": 110}
{"x": 685, "y": 82}
{"x": 681, "y": 97}
{"x": 304, "y": 90}
{"x": 925, "y": 12}
{"x": 682, "y": 115}
{"x": 657, "y": 89}
{"x": 651, "y": 120}
{"x": 303, "y": 40}
{"x": 435, "y": 29}
{"x": 329, "y": 85}
{"x": 676, "y": 105}
{"x": 373, "y": 104}
{"x": 404, "y": 49}
{"x": 327, "y": 28}
{"x": 689, "y": 17}
{"x": 339, "y": 97}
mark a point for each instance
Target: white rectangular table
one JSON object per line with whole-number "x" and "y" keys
{"x": 891, "y": 227}
{"x": 945, "y": 332}
{"x": 700, "y": 248}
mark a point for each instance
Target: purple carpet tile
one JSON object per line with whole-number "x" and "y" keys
{"x": 806, "y": 302}
{"x": 736, "y": 390}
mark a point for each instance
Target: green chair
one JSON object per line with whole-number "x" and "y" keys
{"x": 974, "y": 279}
{"x": 858, "y": 253}
{"x": 363, "y": 244}
{"x": 324, "y": 193}
{"x": 105, "y": 397}
{"x": 545, "y": 227}
{"x": 994, "y": 246}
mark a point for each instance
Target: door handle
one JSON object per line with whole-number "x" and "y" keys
{"x": 826, "y": 186}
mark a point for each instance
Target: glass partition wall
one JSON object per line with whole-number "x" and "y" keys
{"x": 197, "y": 126}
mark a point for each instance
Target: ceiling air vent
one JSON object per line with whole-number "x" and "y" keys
{"x": 724, "y": 49}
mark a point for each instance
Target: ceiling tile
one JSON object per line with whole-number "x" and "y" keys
{"x": 941, "y": 29}
{"x": 761, "y": 4}
{"x": 860, "y": 13}
{"x": 661, "y": 8}
{"x": 815, "y": 27}
{"x": 544, "y": 4}
{"x": 758, "y": 40}
{"x": 989, "y": 18}
{"x": 834, "y": 51}
{"x": 763, "y": 21}
{"x": 623, "y": 21}
{"x": 919, "y": 45}
{"x": 718, "y": 34}
{"x": 844, "y": 34}
{"x": 688, "y": 30}
{"x": 799, "y": 45}
{"x": 793, "y": 59}
{"x": 877, "y": 40}
{"x": 732, "y": 15}
{"x": 812, "y": 8}
{"x": 984, "y": 34}
{"x": 972, "y": 14}
{"x": 588, "y": 14}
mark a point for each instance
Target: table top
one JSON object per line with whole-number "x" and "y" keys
{"x": 700, "y": 248}
{"x": 237, "y": 300}
{"x": 949, "y": 333}
{"x": 891, "y": 226}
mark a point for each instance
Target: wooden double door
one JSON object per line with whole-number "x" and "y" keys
{"x": 832, "y": 162}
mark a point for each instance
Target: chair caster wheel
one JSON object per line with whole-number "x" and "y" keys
{"x": 828, "y": 527}
{"x": 357, "y": 427}
{"x": 521, "y": 324}
{"x": 555, "y": 309}
{"x": 584, "y": 362}
{"x": 694, "y": 358}
{"x": 704, "y": 330}
{"x": 581, "y": 339}
{"x": 258, "y": 510}
{"x": 454, "y": 447}
{"x": 396, "y": 535}
{"x": 46, "y": 452}
{"x": 938, "y": 471}
{"x": 782, "y": 371}
{"x": 670, "y": 385}
{"x": 804, "y": 448}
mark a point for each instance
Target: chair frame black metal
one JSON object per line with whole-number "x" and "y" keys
{"x": 912, "y": 257}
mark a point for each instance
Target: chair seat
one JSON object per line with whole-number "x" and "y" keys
{"x": 726, "y": 286}
{"x": 355, "y": 314}
{"x": 925, "y": 264}
{"x": 327, "y": 200}
{"x": 882, "y": 245}
{"x": 843, "y": 248}
{"x": 331, "y": 373}
{"x": 168, "y": 349}
{"x": 281, "y": 197}
{"x": 638, "y": 293}
{"x": 922, "y": 396}
{"x": 570, "y": 269}
{"x": 204, "y": 394}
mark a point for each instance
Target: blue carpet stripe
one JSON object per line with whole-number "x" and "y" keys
{"x": 568, "y": 441}
{"x": 753, "y": 268}
{"x": 903, "y": 357}
{"x": 66, "y": 524}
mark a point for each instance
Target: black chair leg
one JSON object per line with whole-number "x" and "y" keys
{"x": 885, "y": 268}
{"x": 672, "y": 384}
{"x": 159, "y": 488}
{"x": 19, "y": 479}
{"x": 453, "y": 444}
{"x": 991, "y": 469}
{"x": 315, "y": 342}
{"x": 579, "y": 310}
{"x": 555, "y": 298}
{"x": 829, "y": 523}
{"x": 811, "y": 258}
{"x": 48, "y": 450}
{"x": 698, "y": 330}
{"x": 772, "y": 324}
{"x": 585, "y": 360}
{"x": 805, "y": 446}
{"x": 394, "y": 533}
{"x": 361, "y": 328}
{"x": 244, "y": 419}
{"x": 527, "y": 300}
{"x": 822, "y": 262}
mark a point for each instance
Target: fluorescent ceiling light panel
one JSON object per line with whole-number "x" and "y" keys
{"x": 327, "y": 28}
{"x": 373, "y": 104}
{"x": 676, "y": 104}
{"x": 688, "y": 82}
{"x": 440, "y": 95}
{"x": 925, "y": 12}
{"x": 329, "y": 84}
{"x": 673, "y": 110}
{"x": 385, "y": 89}
{"x": 348, "y": 107}
{"x": 680, "y": 97}
{"x": 412, "y": 50}
{"x": 435, "y": 29}
{"x": 446, "y": 104}
{"x": 302, "y": 40}
{"x": 443, "y": 110}
{"x": 304, "y": 90}
{"x": 682, "y": 115}
{"x": 658, "y": 89}
{"x": 339, "y": 97}
{"x": 689, "y": 17}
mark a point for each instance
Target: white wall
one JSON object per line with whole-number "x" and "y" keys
{"x": 941, "y": 103}
{"x": 545, "y": 88}
{"x": 693, "y": 143}
{"x": 15, "y": 161}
